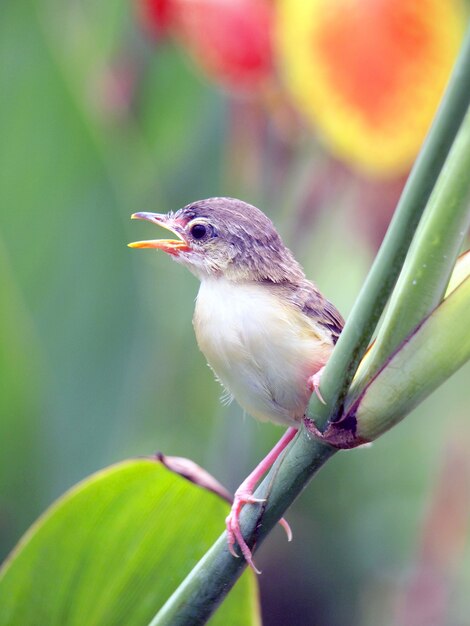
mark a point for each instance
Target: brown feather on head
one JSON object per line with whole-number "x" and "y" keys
{"x": 239, "y": 242}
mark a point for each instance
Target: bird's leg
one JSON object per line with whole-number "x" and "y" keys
{"x": 314, "y": 384}
{"x": 244, "y": 495}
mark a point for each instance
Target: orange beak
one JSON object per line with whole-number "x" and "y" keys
{"x": 172, "y": 246}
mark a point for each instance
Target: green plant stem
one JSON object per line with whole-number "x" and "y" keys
{"x": 216, "y": 573}
{"x": 431, "y": 258}
{"x": 205, "y": 587}
{"x": 432, "y": 353}
{"x": 378, "y": 286}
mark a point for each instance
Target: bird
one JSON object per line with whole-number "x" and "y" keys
{"x": 265, "y": 330}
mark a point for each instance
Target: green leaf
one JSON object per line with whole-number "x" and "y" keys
{"x": 436, "y": 349}
{"x": 113, "y": 548}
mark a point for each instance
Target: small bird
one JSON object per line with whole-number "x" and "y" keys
{"x": 265, "y": 330}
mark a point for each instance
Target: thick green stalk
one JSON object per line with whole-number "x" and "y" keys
{"x": 431, "y": 258}
{"x": 436, "y": 349}
{"x": 381, "y": 279}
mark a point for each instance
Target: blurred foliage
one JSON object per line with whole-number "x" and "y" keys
{"x": 113, "y": 549}
{"x": 98, "y": 359}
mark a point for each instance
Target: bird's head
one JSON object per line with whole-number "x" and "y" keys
{"x": 224, "y": 237}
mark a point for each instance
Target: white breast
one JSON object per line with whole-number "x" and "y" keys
{"x": 262, "y": 351}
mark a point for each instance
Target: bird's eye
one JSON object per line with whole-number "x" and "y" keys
{"x": 198, "y": 231}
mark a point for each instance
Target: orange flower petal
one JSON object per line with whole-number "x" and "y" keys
{"x": 369, "y": 74}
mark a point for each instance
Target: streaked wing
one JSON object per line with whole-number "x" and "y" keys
{"x": 312, "y": 303}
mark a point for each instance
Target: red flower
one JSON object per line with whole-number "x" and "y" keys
{"x": 156, "y": 16}
{"x": 230, "y": 40}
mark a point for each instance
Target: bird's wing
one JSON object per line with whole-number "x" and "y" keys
{"x": 313, "y": 304}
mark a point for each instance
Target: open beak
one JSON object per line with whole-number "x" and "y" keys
{"x": 172, "y": 246}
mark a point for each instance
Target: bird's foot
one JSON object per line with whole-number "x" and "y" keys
{"x": 244, "y": 495}
{"x": 314, "y": 384}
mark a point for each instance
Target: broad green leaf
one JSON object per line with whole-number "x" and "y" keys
{"x": 112, "y": 550}
{"x": 436, "y": 349}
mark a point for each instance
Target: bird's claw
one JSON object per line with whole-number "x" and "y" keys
{"x": 232, "y": 522}
{"x": 285, "y": 524}
{"x": 314, "y": 385}
{"x": 244, "y": 495}
{"x": 234, "y": 534}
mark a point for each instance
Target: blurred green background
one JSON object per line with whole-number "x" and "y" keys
{"x": 98, "y": 361}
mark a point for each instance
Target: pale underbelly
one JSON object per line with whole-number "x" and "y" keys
{"x": 271, "y": 383}
{"x": 282, "y": 403}
{"x": 262, "y": 352}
